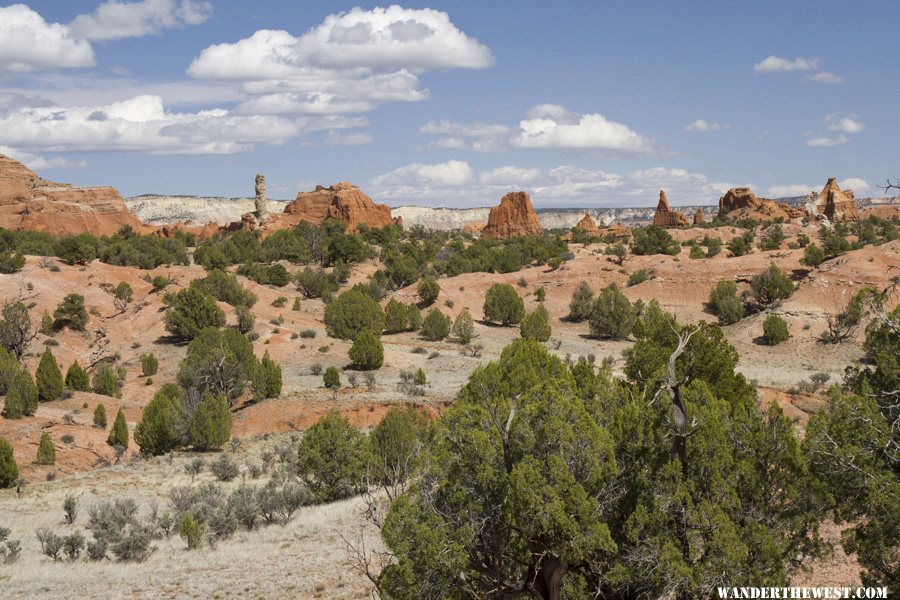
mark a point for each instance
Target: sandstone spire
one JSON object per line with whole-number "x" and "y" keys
{"x": 515, "y": 217}
{"x": 665, "y": 216}
{"x": 262, "y": 210}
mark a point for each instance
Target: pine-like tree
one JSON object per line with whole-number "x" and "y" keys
{"x": 46, "y": 454}
{"x": 210, "y": 425}
{"x": 21, "y": 396}
{"x": 161, "y": 428}
{"x": 77, "y": 379}
{"x": 267, "y": 382}
{"x": 367, "y": 351}
{"x": 464, "y": 327}
{"x": 100, "y": 416}
{"x": 118, "y": 435}
{"x": 9, "y": 471}
{"x": 48, "y": 378}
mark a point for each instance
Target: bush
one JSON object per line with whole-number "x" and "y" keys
{"x": 46, "y": 454}
{"x": 654, "y": 240}
{"x": 192, "y": 311}
{"x": 332, "y": 457}
{"x": 161, "y": 428}
{"x": 612, "y": 316}
{"x": 428, "y": 290}
{"x": 436, "y": 325}
{"x": 100, "y": 416}
{"x": 48, "y": 378}
{"x": 149, "y": 365}
{"x": 396, "y": 316}
{"x": 267, "y": 383}
{"x": 771, "y": 286}
{"x": 536, "y": 325}
{"x": 9, "y": 471}
{"x": 638, "y": 277}
{"x": 15, "y": 329}
{"x": 351, "y": 313}
{"x": 332, "y": 378}
{"x": 367, "y": 352}
{"x": 396, "y": 445}
{"x": 713, "y": 245}
{"x": 70, "y": 313}
{"x": 106, "y": 381}
{"x": 190, "y": 531}
{"x": 77, "y": 379}
{"x": 118, "y": 435}
{"x": 224, "y": 287}
{"x": 70, "y": 508}
{"x": 582, "y": 303}
{"x": 725, "y": 302}
{"x": 697, "y": 252}
{"x": 540, "y": 294}
{"x": 21, "y": 396}
{"x": 738, "y": 246}
{"x": 775, "y": 330}
{"x": 220, "y": 361}
{"x": 503, "y": 304}
{"x": 11, "y": 263}
{"x": 813, "y": 256}
{"x": 414, "y": 317}
{"x": 316, "y": 284}
{"x": 209, "y": 427}
{"x": 464, "y": 327}
{"x": 223, "y": 468}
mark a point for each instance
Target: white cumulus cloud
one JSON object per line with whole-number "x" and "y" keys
{"x": 825, "y": 141}
{"x": 114, "y": 20}
{"x": 37, "y": 162}
{"x": 28, "y": 42}
{"x": 776, "y": 64}
{"x": 789, "y": 191}
{"x": 352, "y": 62}
{"x": 856, "y": 184}
{"x": 826, "y": 77}
{"x": 704, "y": 125}
{"x": 844, "y": 123}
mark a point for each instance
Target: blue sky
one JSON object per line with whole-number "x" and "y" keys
{"x": 454, "y": 104}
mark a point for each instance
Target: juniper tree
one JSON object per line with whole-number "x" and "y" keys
{"x": 77, "y": 378}
{"x": 46, "y": 453}
{"x": 48, "y": 378}
{"x": 118, "y": 435}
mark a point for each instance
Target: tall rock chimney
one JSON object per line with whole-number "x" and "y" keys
{"x": 262, "y": 211}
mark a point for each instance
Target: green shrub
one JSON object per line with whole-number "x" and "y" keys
{"x": 713, "y": 245}
{"x": 209, "y": 427}
{"x": 21, "y": 396}
{"x": 653, "y": 240}
{"x": 46, "y": 454}
{"x": 725, "y": 302}
{"x": 224, "y": 468}
{"x": 775, "y": 330}
{"x": 48, "y": 378}
{"x": 316, "y": 284}
{"x": 190, "y": 531}
{"x": 279, "y": 302}
{"x": 638, "y": 277}
{"x": 813, "y": 256}
{"x": 332, "y": 458}
{"x": 414, "y": 317}
{"x": 536, "y": 325}
{"x": 351, "y": 313}
{"x": 149, "y": 365}
{"x": 464, "y": 327}
{"x": 367, "y": 352}
{"x": 77, "y": 379}
{"x": 118, "y": 435}
{"x": 9, "y": 471}
{"x": 220, "y": 361}
{"x": 161, "y": 427}
{"x": 428, "y": 290}
{"x": 738, "y": 246}
{"x": 190, "y": 312}
{"x": 436, "y": 325}
{"x": 11, "y": 263}
{"x": 582, "y": 303}
{"x": 70, "y": 313}
{"x": 771, "y": 286}
{"x": 78, "y": 249}
{"x": 540, "y": 294}
{"x": 503, "y": 304}
{"x": 100, "y": 416}
{"x": 396, "y": 316}
{"x": 612, "y": 316}
{"x": 267, "y": 382}
{"x": 396, "y": 447}
{"x": 332, "y": 378}
{"x": 696, "y": 252}
{"x": 106, "y": 381}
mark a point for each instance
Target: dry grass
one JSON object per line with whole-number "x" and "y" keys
{"x": 304, "y": 559}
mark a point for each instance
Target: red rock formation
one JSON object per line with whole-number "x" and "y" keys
{"x": 888, "y": 211}
{"x": 835, "y": 204}
{"x": 665, "y": 216}
{"x": 698, "y": 217}
{"x": 587, "y": 226}
{"x": 342, "y": 201}
{"x": 741, "y": 203}
{"x": 473, "y": 227}
{"x": 618, "y": 231}
{"x": 515, "y": 217}
{"x": 28, "y": 202}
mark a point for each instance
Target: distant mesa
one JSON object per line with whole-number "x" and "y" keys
{"x": 742, "y": 203}
{"x": 342, "y": 201}
{"x": 514, "y": 217}
{"x": 29, "y": 202}
{"x": 665, "y": 216}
